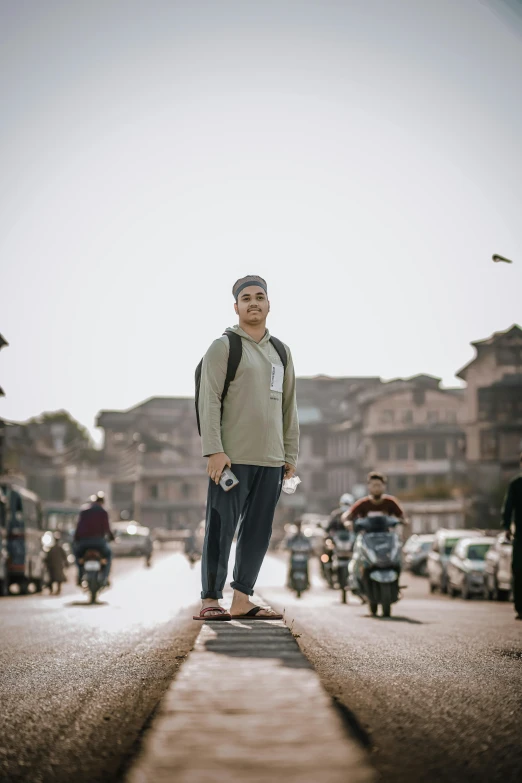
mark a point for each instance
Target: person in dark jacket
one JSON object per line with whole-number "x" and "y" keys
{"x": 92, "y": 531}
{"x": 512, "y": 512}
{"x": 56, "y": 562}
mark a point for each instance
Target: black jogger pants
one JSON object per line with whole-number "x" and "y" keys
{"x": 252, "y": 504}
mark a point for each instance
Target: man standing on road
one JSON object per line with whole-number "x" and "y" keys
{"x": 513, "y": 510}
{"x": 254, "y": 431}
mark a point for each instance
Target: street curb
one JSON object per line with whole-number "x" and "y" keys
{"x": 248, "y": 707}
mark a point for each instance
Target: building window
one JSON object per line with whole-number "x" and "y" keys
{"x": 421, "y": 451}
{"x": 320, "y": 444}
{"x": 432, "y": 417}
{"x": 401, "y": 482}
{"x": 153, "y": 491}
{"x": 318, "y": 482}
{"x": 488, "y": 445}
{"x": 383, "y": 451}
{"x": 510, "y": 447}
{"x": 122, "y": 493}
{"x": 451, "y": 417}
{"x": 407, "y": 417}
{"x": 401, "y": 451}
{"x": 185, "y": 490}
{"x": 387, "y": 417}
{"x": 420, "y": 480}
{"x": 438, "y": 449}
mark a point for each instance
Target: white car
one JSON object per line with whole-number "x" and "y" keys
{"x": 131, "y": 539}
{"x": 466, "y": 566}
{"x": 498, "y": 572}
{"x": 444, "y": 542}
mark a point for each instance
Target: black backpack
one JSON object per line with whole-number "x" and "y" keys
{"x": 234, "y": 357}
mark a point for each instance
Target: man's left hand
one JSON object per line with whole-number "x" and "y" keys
{"x": 289, "y": 470}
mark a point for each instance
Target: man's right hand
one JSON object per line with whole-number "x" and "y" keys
{"x": 216, "y": 465}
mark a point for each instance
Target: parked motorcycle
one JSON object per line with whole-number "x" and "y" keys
{"x": 342, "y": 554}
{"x": 92, "y": 576}
{"x": 375, "y": 568}
{"x": 298, "y": 578}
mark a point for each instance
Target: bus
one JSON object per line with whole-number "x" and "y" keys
{"x": 23, "y": 531}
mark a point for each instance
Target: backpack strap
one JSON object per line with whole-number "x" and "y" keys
{"x": 281, "y": 350}
{"x": 234, "y": 357}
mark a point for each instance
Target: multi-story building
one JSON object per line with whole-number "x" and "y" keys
{"x": 152, "y": 454}
{"x": 493, "y": 407}
{"x": 328, "y": 452}
{"x": 52, "y": 455}
{"x": 412, "y": 430}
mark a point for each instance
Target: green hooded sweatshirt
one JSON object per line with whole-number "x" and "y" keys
{"x": 259, "y": 425}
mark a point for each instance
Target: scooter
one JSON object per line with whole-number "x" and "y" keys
{"x": 375, "y": 568}
{"x": 342, "y": 554}
{"x": 326, "y": 561}
{"x": 298, "y": 579}
{"x": 92, "y": 579}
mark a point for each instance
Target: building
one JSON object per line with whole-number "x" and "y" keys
{"x": 328, "y": 452}
{"x": 493, "y": 408}
{"x": 152, "y": 456}
{"x": 53, "y": 456}
{"x": 412, "y": 430}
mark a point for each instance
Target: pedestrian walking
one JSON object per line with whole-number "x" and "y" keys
{"x": 247, "y": 412}
{"x": 512, "y": 512}
{"x": 56, "y": 562}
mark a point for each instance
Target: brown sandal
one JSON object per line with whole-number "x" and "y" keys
{"x": 223, "y": 614}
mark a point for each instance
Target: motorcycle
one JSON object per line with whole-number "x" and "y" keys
{"x": 326, "y": 560}
{"x": 375, "y": 568}
{"x": 92, "y": 578}
{"x": 342, "y": 554}
{"x": 298, "y": 579}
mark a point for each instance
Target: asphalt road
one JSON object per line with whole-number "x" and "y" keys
{"x": 78, "y": 682}
{"x": 435, "y": 692}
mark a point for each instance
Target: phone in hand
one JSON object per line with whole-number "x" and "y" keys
{"x": 228, "y": 481}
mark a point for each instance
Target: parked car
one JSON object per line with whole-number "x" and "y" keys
{"x": 131, "y": 540}
{"x": 498, "y": 574}
{"x": 440, "y": 553}
{"x": 466, "y": 565}
{"x": 415, "y": 554}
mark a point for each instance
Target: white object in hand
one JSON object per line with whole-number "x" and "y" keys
{"x": 290, "y": 485}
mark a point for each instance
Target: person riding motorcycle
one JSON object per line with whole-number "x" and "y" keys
{"x": 297, "y": 542}
{"x": 376, "y": 502}
{"x": 335, "y": 525}
{"x": 335, "y": 522}
{"x": 92, "y": 531}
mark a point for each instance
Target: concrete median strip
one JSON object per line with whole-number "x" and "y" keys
{"x": 248, "y": 707}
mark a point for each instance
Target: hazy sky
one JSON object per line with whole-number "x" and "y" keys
{"x": 362, "y": 155}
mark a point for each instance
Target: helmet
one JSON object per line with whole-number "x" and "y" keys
{"x": 346, "y": 500}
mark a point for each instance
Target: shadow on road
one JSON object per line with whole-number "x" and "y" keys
{"x": 87, "y": 604}
{"x": 396, "y": 619}
{"x": 256, "y": 639}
